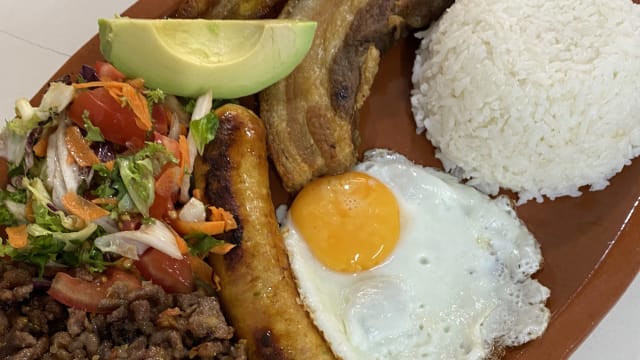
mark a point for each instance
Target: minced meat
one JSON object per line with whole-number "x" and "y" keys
{"x": 147, "y": 323}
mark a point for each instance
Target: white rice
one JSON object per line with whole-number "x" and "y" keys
{"x": 539, "y": 97}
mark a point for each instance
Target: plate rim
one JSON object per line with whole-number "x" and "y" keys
{"x": 605, "y": 277}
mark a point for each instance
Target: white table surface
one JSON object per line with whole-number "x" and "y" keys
{"x": 38, "y": 36}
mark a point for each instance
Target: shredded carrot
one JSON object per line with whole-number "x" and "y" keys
{"x": 168, "y": 182}
{"x": 119, "y": 90}
{"x": 216, "y": 214}
{"x": 183, "y": 146}
{"x": 197, "y": 193}
{"x": 40, "y": 147}
{"x": 137, "y": 83}
{"x": 79, "y": 148}
{"x": 219, "y": 214}
{"x": 116, "y": 93}
{"x": 171, "y": 312}
{"x": 82, "y": 208}
{"x": 167, "y": 318}
{"x": 201, "y": 269}
{"x": 217, "y": 282}
{"x": 139, "y": 105}
{"x": 222, "y": 248}
{"x": 109, "y": 164}
{"x": 17, "y": 236}
{"x": 182, "y": 245}
{"x": 205, "y": 227}
{"x": 89, "y": 84}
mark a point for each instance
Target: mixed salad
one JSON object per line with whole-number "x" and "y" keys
{"x": 98, "y": 177}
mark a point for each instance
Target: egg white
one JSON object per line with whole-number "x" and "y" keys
{"x": 456, "y": 286}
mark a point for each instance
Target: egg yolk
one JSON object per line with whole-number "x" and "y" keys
{"x": 351, "y": 221}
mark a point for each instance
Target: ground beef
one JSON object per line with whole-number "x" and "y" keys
{"x": 147, "y": 323}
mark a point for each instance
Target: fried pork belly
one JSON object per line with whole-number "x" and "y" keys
{"x": 311, "y": 116}
{"x": 229, "y": 9}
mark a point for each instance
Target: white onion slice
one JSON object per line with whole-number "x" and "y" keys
{"x": 194, "y": 210}
{"x": 69, "y": 172}
{"x": 156, "y": 235}
{"x": 204, "y": 103}
{"x": 54, "y": 179}
{"x": 107, "y": 223}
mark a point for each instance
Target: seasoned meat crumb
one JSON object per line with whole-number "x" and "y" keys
{"x": 205, "y": 320}
{"x": 146, "y": 323}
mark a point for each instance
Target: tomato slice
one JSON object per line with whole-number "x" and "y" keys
{"x": 160, "y": 116}
{"x": 166, "y": 192}
{"x": 171, "y": 145}
{"x": 86, "y": 295}
{"x": 173, "y": 275}
{"x": 162, "y": 204}
{"x": 108, "y": 72}
{"x": 167, "y": 184}
{"x": 116, "y": 122}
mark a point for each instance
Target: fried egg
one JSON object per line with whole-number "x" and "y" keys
{"x": 398, "y": 261}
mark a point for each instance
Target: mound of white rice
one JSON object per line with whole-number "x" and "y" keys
{"x": 536, "y": 96}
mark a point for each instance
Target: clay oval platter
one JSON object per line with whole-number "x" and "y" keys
{"x": 590, "y": 244}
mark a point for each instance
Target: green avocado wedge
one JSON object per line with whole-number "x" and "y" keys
{"x": 188, "y": 57}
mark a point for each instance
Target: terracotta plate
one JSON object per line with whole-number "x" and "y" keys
{"x": 590, "y": 244}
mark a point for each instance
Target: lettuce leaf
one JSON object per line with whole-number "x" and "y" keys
{"x": 200, "y": 243}
{"x": 71, "y": 239}
{"x": 6, "y": 217}
{"x": 204, "y": 130}
{"x": 137, "y": 176}
{"x": 19, "y": 195}
{"x": 44, "y": 211}
{"x": 27, "y": 118}
{"x": 47, "y": 219}
{"x": 158, "y": 154}
{"x": 41, "y": 251}
{"x": 93, "y": 132}
{"x": 46, "y": 249}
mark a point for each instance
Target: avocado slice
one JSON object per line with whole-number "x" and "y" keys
{"x": 188, "y": 57}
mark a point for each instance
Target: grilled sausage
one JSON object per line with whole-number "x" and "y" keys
{"x": 258, "y": 292}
